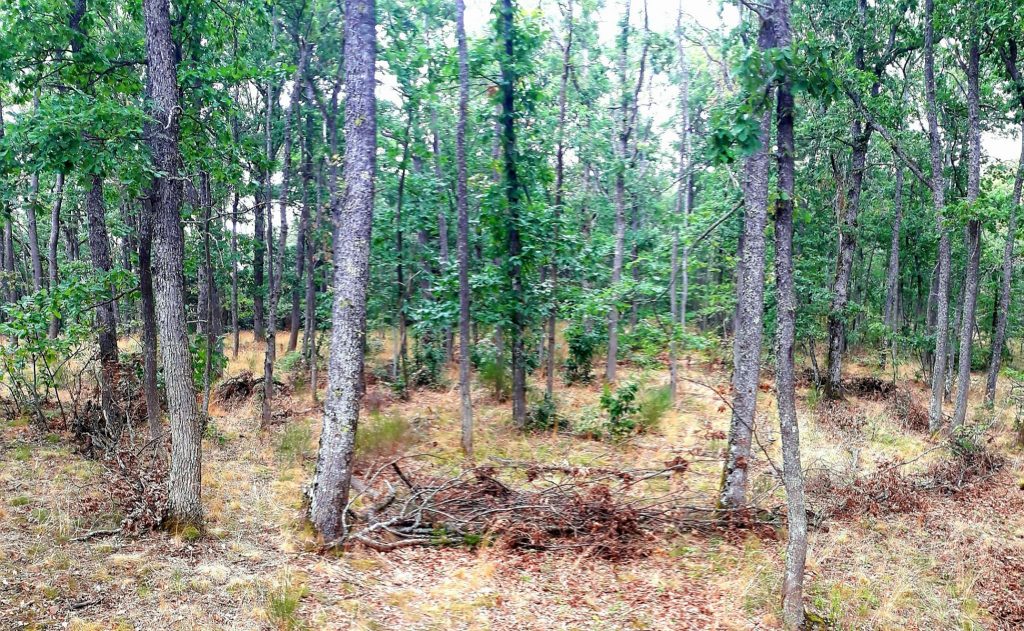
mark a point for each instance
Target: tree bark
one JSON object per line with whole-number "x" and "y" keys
{"x": 746, "y": 349}
{"x": 1006, "y": 285}
{"x": 622, "y": 147}
{"x": 512, "y": 199}
{"x": 891, "y": 313}
{"x": 462, "y": 236}
{"x": 149, "y": 370}
{"x": 792, "y": 474}
{"x": 162, "y": 133}
{"x": 106, "y": 325}
{"x": 678, "y": 267}
{"x": 329, "y": 493}
{"x": 276, "y": 262}
{"x": 938, "y": 184}
{"x": 33, "y": 235}
{"x": 973, "y": 243}
{"x": 52, "y": 246}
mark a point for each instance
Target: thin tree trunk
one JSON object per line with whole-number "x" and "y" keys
{"x": 973, "y": 244}
{"x": 512, "y": 193}
{"x": 675, "y": 265}
{"x": 329, "y": 493}
{"x": 746, "y": 349}
{"x": 184, "y": 486}
{"x": 276, "y": 263}
{"x": 1003, "y": 310}
{"x": 892, "y": 275}
{"x": 52, "y": 246}
{"x": 33, "y": 235}
{"x": 99, "y": 245}
{"x": 149, "y": 370}
{"x": 935, "y": 416}
{"x": 462, "y": 236}
{"x": 792, "y": 474}
{"x": 622, "y": 147}
{"x": 559, "y": 197}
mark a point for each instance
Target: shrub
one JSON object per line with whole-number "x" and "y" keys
{"x": 582, "y": 346}
{"x": 543, "y": 416}
{"x": 620, "y": 406}
{"x": 294, "y": 443}
{"x": 382, "y": 435}
{"x": 492, "y": 369}
{"x": 428, "y": 363}
{"x": 652, "y": 405}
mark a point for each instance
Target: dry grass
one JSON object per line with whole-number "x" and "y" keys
{"x": 258, "y": 568}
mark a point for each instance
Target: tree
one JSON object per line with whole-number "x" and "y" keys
{"x": 462, "y": 237}
{"x": 162, "y": 133}
{"x": 354, "y": 216}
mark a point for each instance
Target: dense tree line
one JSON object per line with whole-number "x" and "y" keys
{"x": 304, "y": 165}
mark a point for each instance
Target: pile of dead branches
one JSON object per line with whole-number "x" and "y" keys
{"x": 608, "y": 513}
{"x": 869, "y": 388}
{"x": 242, "y": 387}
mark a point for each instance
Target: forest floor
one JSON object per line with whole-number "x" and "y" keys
{"x": 940, "y": 558}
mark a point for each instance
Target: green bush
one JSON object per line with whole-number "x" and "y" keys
{"x": 492, "y": 369}
{"x": 543, "y": 416}
{"x": 652, "y": 405}
{"x": 382, "y": 434}
{"x": 621, "y": 406}
{"x": 582, "y": 347}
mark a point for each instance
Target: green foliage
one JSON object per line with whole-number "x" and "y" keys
{"x": 382, "y": 434}
{"x": 582, "y": 345}
{"x": 543, "y": 415}
{"x": 492, "y": 369}
{"x": 295, "y": 443}
{"x": 33, "y": 365}
{"x": 652, "y": 404}
{"x": 621, "y": 406}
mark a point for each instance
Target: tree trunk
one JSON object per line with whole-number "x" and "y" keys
{"x": 746, "y": 349}
{"x": 792, "y": 474}
{"x": 512, "y": 193}
{"x": 938, "y": 184}
{"x": 675, "y": 265}
{"x": 276, "y": 263}
{"x": 184, "y": 487}
{"x": 1006, "y": 285}
{"x": 973, "y": 244}
{"x": 99, "y": 245}
{"x": 892, "y": 275}
{"x": 149, "y": 370}
{"x": 622, "y": 147}
{"x": 52, "y": 246}
{"x": 329, "y": 493}
{"x": 462, "y": 236}
{"x": 844, "y": 265}
{"x": 33, "y": 235}
{"x": 563, "y": 86}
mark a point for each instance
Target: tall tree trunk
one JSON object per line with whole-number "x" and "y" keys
{"x": 973, "y": 244}
{"x": 301, "y": 241}
{"x": 938, "y": 183}
{"x": 276, "y": 262}
{"x": 184, "y": 487}
{"x": 462, "y": 236}
{"x": 33, "y": 235}
{"x": 891, "y": 313}
{"x": 99, "y": 245}
{"x": 235, "y": 333}
{"x": 678, "y": 267}
{"x": 559, "y": 196}
{"x": 149, "y": 370}
{"x": 792, "y": 474}
{"x": 622, "y": 147}
{"x": 52, "y": 246}
{"x": 309, "y": 247}
{"x": 1006, "y": 284}
{"x": 401, "y": 359}
{"x": 746, "y": 347}
{"x": 329, "y": 493}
